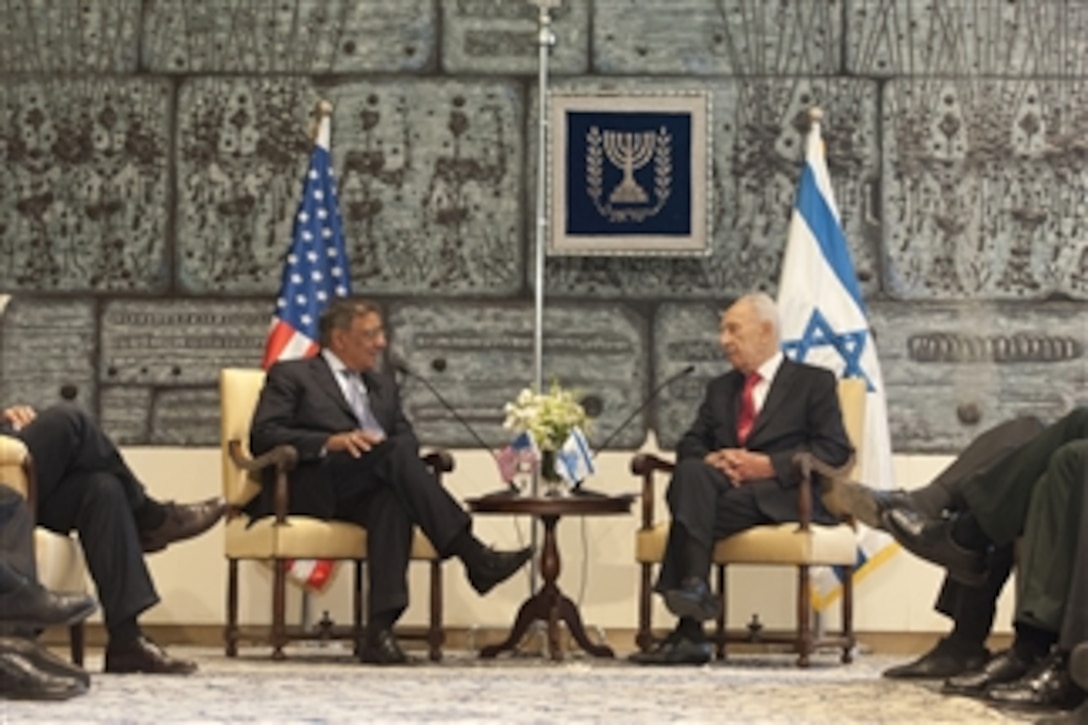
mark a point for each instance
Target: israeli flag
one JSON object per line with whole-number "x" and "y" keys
{"x": 574, "y": 461}
{"x": 824, "y": 323}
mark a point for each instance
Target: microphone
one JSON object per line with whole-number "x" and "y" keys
{"x": 649, "y": 399}
{"x": 397, "y": 361}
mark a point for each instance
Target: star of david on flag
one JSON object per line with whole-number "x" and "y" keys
{"x": 824, "y": 323}
{"x": 314, "y": 271}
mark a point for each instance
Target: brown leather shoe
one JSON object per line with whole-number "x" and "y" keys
{"x": 183, "y": 521}
{"x": 143, "y": 655}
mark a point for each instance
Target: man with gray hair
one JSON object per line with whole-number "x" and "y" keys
{"x": 734, "y": 466}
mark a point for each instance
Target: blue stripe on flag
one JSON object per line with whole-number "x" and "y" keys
{"x": 825, "y": 228}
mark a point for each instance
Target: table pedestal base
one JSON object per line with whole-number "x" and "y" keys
{"x": 549, "y": 605}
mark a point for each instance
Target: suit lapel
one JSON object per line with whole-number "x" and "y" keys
{"x": 380, "y": 402}
{"x": 777, "y": 396}
{"x": 323, "y": 374}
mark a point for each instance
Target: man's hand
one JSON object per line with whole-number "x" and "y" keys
{"x": 19, "y": 416}
{"x": 741, "y": 466}
{"x": 355, "y": 442}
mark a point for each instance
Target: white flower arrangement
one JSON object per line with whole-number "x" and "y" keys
{"x": 548, "y": 417}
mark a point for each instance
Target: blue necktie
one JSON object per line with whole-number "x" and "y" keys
{"x": 360, "y": 403}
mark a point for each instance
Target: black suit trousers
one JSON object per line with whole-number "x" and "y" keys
{"x": 16, "y": 538}
{"x": 388, "y": 491}
{"x": 85, "y": 485}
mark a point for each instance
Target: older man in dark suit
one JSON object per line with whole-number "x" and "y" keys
{"x": 735, "y": 464}
{"x": 359, "y": 461}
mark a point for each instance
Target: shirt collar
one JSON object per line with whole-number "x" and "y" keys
{"x": 770, "y": 367}
{"x": 335, "y": 364}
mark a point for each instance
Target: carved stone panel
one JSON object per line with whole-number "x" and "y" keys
{"x": 47, "y": 351}
{"x": 500, "y": 36}
{"x": 984, "y": 183}
{"x": 70, "y": 37}
{"x": 757, "y": 149}
{"x": 292, "y": 36}
{"x": 429, "y": 178}
{"x": 717, "y": 37}
{"x": 684, "y": 334}
{"x": 478, "y": 357}
{"x": 953, "y": 371}
{"x": 966, "y": 37}
{"x": 84, "y": 193}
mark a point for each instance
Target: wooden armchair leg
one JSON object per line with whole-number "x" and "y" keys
{"x": 644, "y": 637}
{"x": 804, "y": 617}
{"x": 230, "y": 636}
{"x": 357, "y": 608}
{"x": 848, "y": 617}
{"x": 719, "y": 628}
{"x": 77, "y": 640}
{"x": 435, "y": 634}
{"x": 279, "y": 608}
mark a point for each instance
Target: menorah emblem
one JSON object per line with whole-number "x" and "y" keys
{"x": 629, "y": 152}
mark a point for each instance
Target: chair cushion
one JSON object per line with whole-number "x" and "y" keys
{"x": 771, "y": 544}
{"x": 304, "y": 537}
{"x": 60, "y": 561}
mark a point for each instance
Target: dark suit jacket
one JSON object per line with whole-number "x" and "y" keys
{"x": 301, "y": 405}
{"x": 801, "y": 413}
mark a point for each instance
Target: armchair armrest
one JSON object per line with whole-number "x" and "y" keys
{"x": 809, "y": 464}
{"x": 646, "y": 465}
{"x": 284, "y": 458}
{"x": 17, "y": 466}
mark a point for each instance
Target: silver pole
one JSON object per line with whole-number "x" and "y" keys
{"x": 545, "y": 41}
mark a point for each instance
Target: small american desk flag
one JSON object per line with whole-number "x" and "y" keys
{"x": 823, "y": 323}
{"x": 314, "y": 271}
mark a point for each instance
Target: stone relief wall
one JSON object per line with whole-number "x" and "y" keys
{"x": 151, "y": 154}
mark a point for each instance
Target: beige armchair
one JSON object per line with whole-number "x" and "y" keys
{"x": 59, "y": 557}
{"x": 278, "y": 539}
{"x": 801, "y": 545}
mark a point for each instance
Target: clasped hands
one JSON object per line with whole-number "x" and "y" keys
{"x": 19, "y": 416}
{"x": 354, "y": 442}
{"x": 741, "y": 466}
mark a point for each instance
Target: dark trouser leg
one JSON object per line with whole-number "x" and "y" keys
{"x": 972, "y": 609}
{"x": 16, "y": 534}
{"x": 65, "y": 439}
{"x": 1075, "y": 624}
{"x": 389, "y": 544}
{"x": 96, "y": 505}
{"x": 1050, "y": 537}
{"x": 1000, "y": 496}
{"x": 704, "y": 507}
{"x": 944, "y": 491}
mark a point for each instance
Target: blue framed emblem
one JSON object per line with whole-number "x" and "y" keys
{"x": 629, "y": 174}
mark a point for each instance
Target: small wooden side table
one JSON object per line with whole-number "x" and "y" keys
{"x": 549, "y": 603}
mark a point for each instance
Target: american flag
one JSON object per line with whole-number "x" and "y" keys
{"x": 315, "y": 270}
{"x": 316, "y": 267}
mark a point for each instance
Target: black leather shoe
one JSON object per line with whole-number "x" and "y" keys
{"x": 28, "y": 604}
{"x": 865, "y": 504}
{"x": 143, "y": 655}
{"x": 931, "y": 539}
{"x": 44, "y": 660}
{"x": 946, "y": 659}
{"x": 20, "y": 679}
{"x": 1006, "y": 666}
{"x": 674, "y": 650}
{"x": 495, "y": 567}
{"x": 1046, "y": 685}
{"x": 693, "y": 599}
{"x": 183, "y": 521}
{"x": 382, "y": 648}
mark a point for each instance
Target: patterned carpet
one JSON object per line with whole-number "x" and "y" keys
{"x": 327, "y": 686}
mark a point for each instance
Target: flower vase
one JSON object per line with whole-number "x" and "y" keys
{"x": 551, "y": 482}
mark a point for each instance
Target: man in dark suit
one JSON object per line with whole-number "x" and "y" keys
{"x": 735, "y": 467}
{"x": 359, "y": 461}
{"x": 84, "y": 484}
{"x": 28, "y": 671}
{"x": 971, "y": 607}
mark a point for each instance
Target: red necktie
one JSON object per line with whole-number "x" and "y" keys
{"x": 747, "y": 415}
